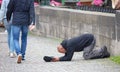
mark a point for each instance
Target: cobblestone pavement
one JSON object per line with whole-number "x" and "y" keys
{"x": 41, "y": 46}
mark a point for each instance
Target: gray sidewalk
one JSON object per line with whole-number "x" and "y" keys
{"x": 39, "y": 47}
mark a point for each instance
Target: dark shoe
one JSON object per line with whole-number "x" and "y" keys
{"x": 23, "y": 59}
{"x": 19, "y": 59}
{"x": 47, "y": 58}
{"x": 105, "y": 52}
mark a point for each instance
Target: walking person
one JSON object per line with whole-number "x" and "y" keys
{"x": 23, "y": 19}
{"x": 85, "y": 43}
{"x": 8, "y": 27}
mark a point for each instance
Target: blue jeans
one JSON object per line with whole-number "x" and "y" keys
{"x": 10, "y": 35}
{"x": 17, "y": 29}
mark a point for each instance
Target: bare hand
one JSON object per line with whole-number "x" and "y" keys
{"x": 55, "y": 59}
{"x": 31, "y": 27}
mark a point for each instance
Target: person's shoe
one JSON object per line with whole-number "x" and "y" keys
{"x": 23, "y": 59}
{"x": 12, "y": 55}
{"x": 47, "y": 58}
{"x": 19, "y": 59}
{"x": 105, "y": 52}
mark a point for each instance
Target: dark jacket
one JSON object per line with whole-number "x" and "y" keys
{"x": 75, "y": 44}
{"x": 23, "y": 12}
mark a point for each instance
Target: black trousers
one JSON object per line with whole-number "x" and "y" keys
{"x": 90, "y": 53}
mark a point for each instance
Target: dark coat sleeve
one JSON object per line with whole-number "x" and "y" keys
{"x": 10, "y": 9}
{"x": 32, "y": 12}
{"x": 68, "y": 55}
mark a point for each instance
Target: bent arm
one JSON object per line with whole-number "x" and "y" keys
{"x": 67, "y": 57}
{"x": 32, "y": 13}
{"x": 10, "y": 9}
{"x": 2, "y": 10}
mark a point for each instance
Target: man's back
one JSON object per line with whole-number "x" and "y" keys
{"x": 78, "y": 43}
{"x": 22, "y": 11}
{"x": 22, "y": 5}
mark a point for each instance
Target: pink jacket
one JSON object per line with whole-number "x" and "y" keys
{"x": 97, "y": 2}
{"x": 0, "y": 2}
{"x": 55, "y": 3}
{"x": 78, "y": 3}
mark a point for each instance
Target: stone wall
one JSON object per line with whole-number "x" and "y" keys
{"x": 67, "y": 23}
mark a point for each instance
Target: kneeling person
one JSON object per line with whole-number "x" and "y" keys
{"x": 85, "y": 43}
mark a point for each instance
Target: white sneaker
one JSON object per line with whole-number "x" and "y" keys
{"x": 12, "y": 55}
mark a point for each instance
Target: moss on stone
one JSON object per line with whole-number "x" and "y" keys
{"x": 116, "y": 59}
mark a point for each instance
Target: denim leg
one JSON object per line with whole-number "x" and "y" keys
{"x": 10, "y": 36}
{"x": 24, "y": 30}
{"x": 7, "y": 26}
{"x": 12, "y": 47}
{"x": 16, "y": 33}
